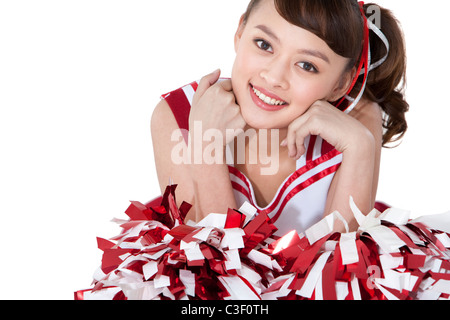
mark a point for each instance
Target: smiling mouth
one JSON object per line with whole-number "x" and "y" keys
{"x": 268, "y": 100}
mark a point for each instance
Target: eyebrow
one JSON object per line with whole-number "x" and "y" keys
{"x": 314, "y": 53}
{"x": 269, "y": 32}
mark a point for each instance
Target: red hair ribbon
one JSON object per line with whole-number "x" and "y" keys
{"x": 364, "y": 61}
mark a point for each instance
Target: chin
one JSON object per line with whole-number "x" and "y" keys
{"x": 259, "y": 121}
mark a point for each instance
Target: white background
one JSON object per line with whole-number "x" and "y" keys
{"x": 78, "y": 82}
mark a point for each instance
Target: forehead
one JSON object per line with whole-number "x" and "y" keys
{"x": 288, "y": 35}
{"x": 266, "y": 15}
{"x": 264, "y": 9}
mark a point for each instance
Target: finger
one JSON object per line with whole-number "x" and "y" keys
{"x": 295, "y": 141}
{"x": 207, "y": 81}
{"x": 300, "y": 144}
{"x": 226, "y": 85}
{"x": 291, "y": 143}
{"x": 297, "y": 146}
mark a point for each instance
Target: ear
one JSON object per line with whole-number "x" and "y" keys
{"x": 343, "y": 85}
{"x": 238, "y": 35}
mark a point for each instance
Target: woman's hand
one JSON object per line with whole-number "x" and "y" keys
{"x": 358, "y": 137}
{"x": 214, "y": 104}
{"x": 342, "y": 131}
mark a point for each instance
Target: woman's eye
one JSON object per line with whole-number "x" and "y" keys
{"x": 308, "y": 67}
{"x": 264, "y": 45}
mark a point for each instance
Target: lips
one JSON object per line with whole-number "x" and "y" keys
{"x": 266, "y": 100}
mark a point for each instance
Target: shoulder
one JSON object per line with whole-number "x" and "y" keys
{"x": 367, "y": 109}
{"x": 162, "y": 117}
{"x": 182, "y": 95}
{"x": 163, "y": 125}
{"x": 173, "y": 109}
{"x": 370, "y": 114}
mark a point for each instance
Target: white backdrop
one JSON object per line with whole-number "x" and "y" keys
{"x": 78, "y": 82}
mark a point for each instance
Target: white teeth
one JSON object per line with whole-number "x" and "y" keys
{"x": 268, "y": 100}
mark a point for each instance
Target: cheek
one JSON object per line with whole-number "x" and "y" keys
{"x": 244, "y": 65}
{"x": 306, "y": 93}
{"x": 244, "y": 70}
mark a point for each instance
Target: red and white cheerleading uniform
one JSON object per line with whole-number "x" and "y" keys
{"x": 300, "y": 201}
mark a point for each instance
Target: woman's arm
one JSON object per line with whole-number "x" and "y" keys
{"x": 206, "y": 187}
{"x": 359, "y": 173}
{"x": 358, "y": 136}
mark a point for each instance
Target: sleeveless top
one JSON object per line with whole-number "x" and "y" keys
{"x": 300, "y": 200}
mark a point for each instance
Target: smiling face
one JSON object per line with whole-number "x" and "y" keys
{"x": 280, "y": 69}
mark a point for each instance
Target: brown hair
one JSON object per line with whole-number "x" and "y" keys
{"x": 340, "y": 24}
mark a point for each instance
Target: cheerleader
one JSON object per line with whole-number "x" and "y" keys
{"x": 321, "y": 78}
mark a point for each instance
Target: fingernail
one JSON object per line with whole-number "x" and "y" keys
{"x": 283, "y": 143}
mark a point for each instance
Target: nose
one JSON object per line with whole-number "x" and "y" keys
{"x": 275, "y": 73}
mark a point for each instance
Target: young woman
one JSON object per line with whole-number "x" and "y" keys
{"x": 317, "y": 76}
{"x": 316, "y": 85}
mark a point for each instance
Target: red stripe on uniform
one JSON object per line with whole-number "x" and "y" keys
{"x": 302, "y": 187}
{"x": 236, "y": 186}
{"x": 308, "y": 167}
{"x": 180, "y": 107}
{"x": 311, "y": 147}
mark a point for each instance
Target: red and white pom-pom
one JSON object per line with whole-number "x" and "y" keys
{"x": 232, "y": 256}
{"x": 389, "y": 258}
{"x": 170, "y": 260}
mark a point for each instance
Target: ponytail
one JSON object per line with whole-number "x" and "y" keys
{"x": 386, "y": 84}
